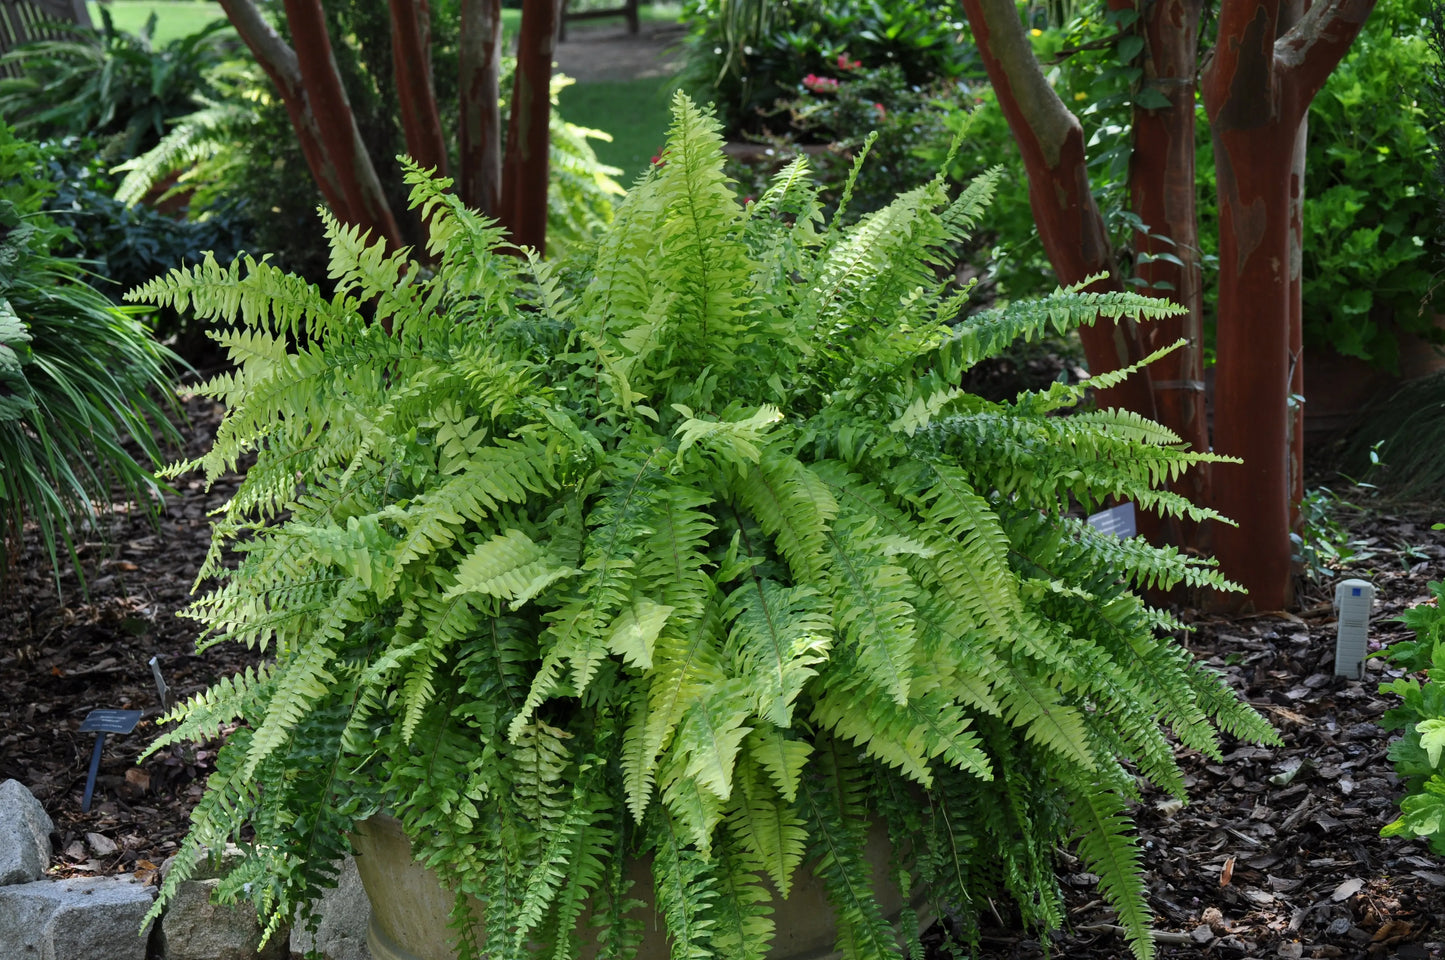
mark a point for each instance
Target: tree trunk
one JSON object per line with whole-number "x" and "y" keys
{"x": 411, "y": 65}
{"x": 1162, "y": 194}
{"x": 339, "y": 133}
{"x": 1051, "y": 141}
{"x": 524, "y": 168}
{"x": 479, "y": 180}
{"x": 1257, "y": 91}
{"x": 279, "y": 62}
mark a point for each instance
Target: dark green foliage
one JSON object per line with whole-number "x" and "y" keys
{"x": 78, "y": 379}
{"x": 110, "y": 84}
{"x": 1399, "y": 443}
{"x": 745, "y": 54}
{"x": 697, "y": 553}
{"x": 125, "y": 246}
{"x": 1371, "y": 215}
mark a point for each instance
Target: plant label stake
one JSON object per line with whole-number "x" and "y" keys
{"x": 161, "y": 688}
{"x": 1116, "y": 520}
{"x": 101, "y": 722}
{"x": 1353, "y": 599}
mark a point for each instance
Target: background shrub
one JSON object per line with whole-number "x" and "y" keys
{"x": 110, "y": 84}
{"x": 81, "y": 381}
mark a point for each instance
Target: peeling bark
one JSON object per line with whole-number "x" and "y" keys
{"x": 1257, "y": 92}
{"x": 1162, "y": 194}
{"x": 279, "y": 62}
{"x": 1051, "y": 141}
{"x": 339, "y": 133}
{"x": 479, "y": 181}
{"x": 416, "y": 96}
{"x": 524, "y": 167}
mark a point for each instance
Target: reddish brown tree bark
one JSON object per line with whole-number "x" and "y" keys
{"x": 279, "y": 62}
{"x": 1257, "y": 90}
{"x": 1162, "y": 194}
{"x": 339, "y": 133}
{"x": 479, "y": 181}
{"x": 524, "y": 166}
{"x": 411, "y": 64}
{"x": 316, "y": 103}
{"x": 1051, "y": 141}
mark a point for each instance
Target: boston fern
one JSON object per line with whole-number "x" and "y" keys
{"x": 693, "y": 551}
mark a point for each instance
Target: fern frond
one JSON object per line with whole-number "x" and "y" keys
{"x": 778, "y": 634}
{"x": 1106, "y": 847}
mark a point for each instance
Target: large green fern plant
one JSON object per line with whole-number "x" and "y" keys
{"x": 695, "y": 551}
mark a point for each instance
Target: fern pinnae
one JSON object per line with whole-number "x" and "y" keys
{"x": 742, "y": 915}
{"x": 794, "y": 507}
{"x": 1105, "y": 845}
{"x": 684, "y": 893}
{"x": 692, "y": 547}
{"x": 777, "y": 636}
{"x": 835, "y": 830}
{"x": 768, "y": 828}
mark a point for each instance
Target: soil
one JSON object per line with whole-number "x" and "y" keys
{"x": 1277, "y": 855}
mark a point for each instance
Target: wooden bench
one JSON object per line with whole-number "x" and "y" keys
{"x": 22, "y": 21}
{"x": 628, "y": 10}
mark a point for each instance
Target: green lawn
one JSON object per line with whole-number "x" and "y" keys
{"x": 635, "y": 112}
{"x": 174, "y": 18}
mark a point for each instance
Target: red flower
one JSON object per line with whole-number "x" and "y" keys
{"x": 819, "y": 84}
{"x": 845, "y": 64}
{"x": 882, "y": 112}
{"x": 658, "y": 158}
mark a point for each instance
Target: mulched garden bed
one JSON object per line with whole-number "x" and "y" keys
{"x": 1277, "y": 855}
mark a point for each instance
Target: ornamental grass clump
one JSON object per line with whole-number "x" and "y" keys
{"x": 694, "y": 551}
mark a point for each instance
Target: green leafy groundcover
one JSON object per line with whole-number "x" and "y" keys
{"x": 690, "y": 549}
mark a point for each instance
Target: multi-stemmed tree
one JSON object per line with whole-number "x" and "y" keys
{"x": 512, "y": 188}
{"x": 1268, "y": 60}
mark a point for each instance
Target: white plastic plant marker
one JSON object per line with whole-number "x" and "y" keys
{"x": 1353, "y": 599}
{"x": 1116, "y": 520}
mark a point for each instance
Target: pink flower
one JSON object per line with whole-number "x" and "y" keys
{"x": 882, "y": 112}
{"x": 845, "y": 64}
{"x": 819, "y": 84}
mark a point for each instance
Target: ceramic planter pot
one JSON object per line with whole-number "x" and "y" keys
{"x": 409, "y": 907}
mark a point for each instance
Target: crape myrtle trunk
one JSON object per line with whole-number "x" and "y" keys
{"x": 1266, "y": 67}
{"x": 310, "y": 86}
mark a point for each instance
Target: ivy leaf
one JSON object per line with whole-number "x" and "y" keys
{"x": 1149, "y": 98}
{"x": 1432, "y": 738}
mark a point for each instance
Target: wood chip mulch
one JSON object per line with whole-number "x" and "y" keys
{"x": 1277, "y": 855}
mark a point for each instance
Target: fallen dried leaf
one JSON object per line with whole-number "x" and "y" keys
{"x": 1291, "y": 951}
{"x": 1169, "y": 807}
{"x": 1226, "y": 873}
{"x": 1392, "y": 931}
